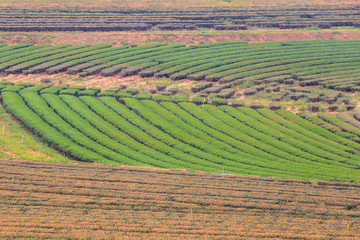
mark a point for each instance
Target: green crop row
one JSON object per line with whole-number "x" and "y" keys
{"x": 226, "y": 62}
{"x": 78, "y": 115}
{"x": 182, "y": 135}
{"x": 306, "y": 126}
{"x": 117, "y": 127}
{"x": 272, "y": 128}
{"x": 48, "y": 114}
{"x": 342, "y": 121}
{"x": 16, "y": 105}
{"x": 190, "y": 136}
{"x": 237, "y": 60}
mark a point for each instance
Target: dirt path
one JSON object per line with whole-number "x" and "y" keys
{"x": 186, "y": 37}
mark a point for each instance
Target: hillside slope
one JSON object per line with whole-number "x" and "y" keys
{"x": 183, "y": 135}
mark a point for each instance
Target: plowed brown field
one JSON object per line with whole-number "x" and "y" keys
{"x": 47, "y": 200}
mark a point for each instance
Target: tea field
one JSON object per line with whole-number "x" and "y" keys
{"x": 180, "y": 134}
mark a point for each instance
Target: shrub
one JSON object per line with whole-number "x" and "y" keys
{"x": 12, "y": 88}
{"x": 256, "y": 105}
{"x": 219, "y": 101}
{"x": 161, "y": 98}
{"x": 46, "y": 80}
{"x": 80, "y": 88}
{"x": 250, "y": 91}
{"x": 277, "y": 98}
{"x": 173, "y": 90}
{"x": 196, "y": 76}
{"x": 260, "y": 88}
{"x": 237, "y": 103}
{"x": 214, "y": 89}
{"x": 212, "y": 78}
{"x": 106, "y": 93}
{"x": 94, "y": 88}
{"x": 350, "y": 107}
{"x": 178, "y": 76}
{"x": 161, "y": 87}
{"x": 52, "y": 90}
{"x": 123, "y": 86}
{"x": 332, "y": 108}
{"x": 200, "y": 87}
{"x": 199, "y": 100}
{"x": 123, "y": 95}
{"x": 7, "y": 83}
{"x": 274, "y": 106}
{"x": 143, "y": 97}
{"x": 289, "y": 81}
{"x": 132, "y": 91}
{"x": 146, "y": 73}
{"x": 168, "y": 93}
{"x": 69, "y": 91}
{"x": 315, "y": 108}
{"x": 152, "y": 90}
{"x": 26, "y": 84}
{"x": 226, "y": 93}
{"x": 296, "y": 96}
{"x": 88, "y": 92}
{"x": 181, "y": 99}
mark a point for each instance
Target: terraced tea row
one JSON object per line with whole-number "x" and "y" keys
{"x": 222, "y": 65}
{"x": 220, "y": 19}
{"x": 185, "y": 135}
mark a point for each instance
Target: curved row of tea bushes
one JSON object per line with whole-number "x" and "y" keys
{"x": 184, "y": 135}
{"x": 230, "y": 63}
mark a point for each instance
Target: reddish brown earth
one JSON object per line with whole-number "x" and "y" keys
{"x": 58, "y": 200}
{"x": 186, "y": 37}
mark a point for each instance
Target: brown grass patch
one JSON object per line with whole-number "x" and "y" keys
{"x": 56, "y": 200}
{"x": 186, "y": 37}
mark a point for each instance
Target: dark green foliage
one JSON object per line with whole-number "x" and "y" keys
{"x": 146, "y": 73}
{"x": 226, "y": 93}
{"x": 219, "y": 101}
{"x": 161, "y": 87}
{"x": 250, "y": 91}
{"x": 237, "y": 103}
{"x": 201, "y": 86}
{"x": 132, "y": 91}
{"x": 52, "y": 90}
{"x": 12, "y": 88}
{"x": 178, "y": 99}
{"x": 143, "y": 97}
{"x": 88, "y": 92}
{"x": 199, "y": 100}
{"x": 184, "y": 135}
{"x": 69, "y": 91}
{"x": 333, "y": 108}
{"x": 25, "y": 85}
{"x": 274, "y": 106}
{"x": 256, "y": 105}
{"x": 106, "y": 93}
{"x": 161, "y": 98}
{"x": 6, "y": 83}
{"x": 123, "y": 95}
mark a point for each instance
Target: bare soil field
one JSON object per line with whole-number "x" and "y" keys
{"x": 48, "y": 200}
{"x": 170, "y": 4}
{"x": 186, "y": 37}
